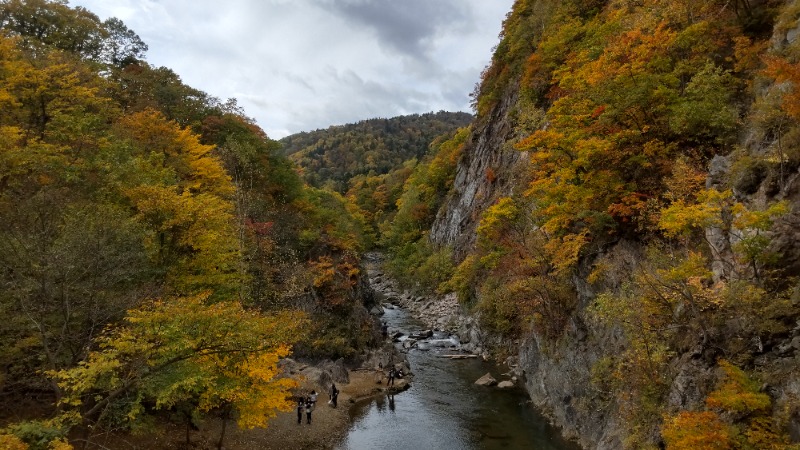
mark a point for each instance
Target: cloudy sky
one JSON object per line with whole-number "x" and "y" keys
{"x": 299, "y": 65}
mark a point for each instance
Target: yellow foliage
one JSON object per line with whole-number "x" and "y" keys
{"x": 763, "y": 434}
{"x": 198, "y": 169}
{"x": 737, "y": 393}
{"x": 680, "y": 218}
{"x": 185, "y": 349}
{"x": 758, "y": 220}
{"x": 564, "y": 252}
{"x": 496, "y": 217}
{"x": 696, "y": 431}
{"x": 196, "y": 235}
{"x": 60, "y": 444}
{"x": 11, "y": 442}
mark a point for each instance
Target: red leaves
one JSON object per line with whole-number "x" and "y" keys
{"x": 598, "y": 111}
{"x": 259, "y": 228}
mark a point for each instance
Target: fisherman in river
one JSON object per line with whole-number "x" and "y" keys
{"x": 384, "y": 330}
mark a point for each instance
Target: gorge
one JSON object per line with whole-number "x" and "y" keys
{"x": 615, "y": 227}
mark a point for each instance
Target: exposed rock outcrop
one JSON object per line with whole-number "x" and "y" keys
{"x": 486, "y": 169}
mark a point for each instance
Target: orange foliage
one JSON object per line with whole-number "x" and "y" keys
{"x": 11, "y": 442}
{"x": 783, "y": 71}
{"x": 335, "y": 279}
{"x": 696, "y": 431}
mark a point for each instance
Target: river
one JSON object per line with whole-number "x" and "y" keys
{"x": 444, "y": 409}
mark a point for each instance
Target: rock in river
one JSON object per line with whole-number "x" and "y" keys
{"x": 486, "y": 380}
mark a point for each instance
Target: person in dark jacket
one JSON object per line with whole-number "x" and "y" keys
{"x": 301, "y": 405}
{"x": 334, "y": 394}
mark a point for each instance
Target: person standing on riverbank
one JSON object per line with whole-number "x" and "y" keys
{"x": 301, "y": 405}
{"x": 334, "y": 394}
{"x": 313, "y": 398}
{"x": 309, "y": 408}
{"x": 392, "y": 374}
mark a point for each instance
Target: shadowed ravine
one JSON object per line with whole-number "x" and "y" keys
{"x": 444, "y": 409}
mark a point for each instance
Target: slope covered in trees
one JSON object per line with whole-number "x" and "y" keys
{"x": 334, "y": 156}
{"x": 157, "y": 251}
{"x": 644, "y": 251}
{"x": 370, "y": 161}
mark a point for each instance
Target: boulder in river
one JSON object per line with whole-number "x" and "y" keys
{"x": 422, "y": 334}
{"x": 505, "y": 384}
{"x": 410, "y": 342}
{"x": 486, "y": 380}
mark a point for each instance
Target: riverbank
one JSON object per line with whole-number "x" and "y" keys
{"x": 328, "y": 425}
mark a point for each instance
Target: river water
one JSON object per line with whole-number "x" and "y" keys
{"x": 444, "y": 409}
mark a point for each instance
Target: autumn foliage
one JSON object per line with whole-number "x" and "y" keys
{"x": 185, "y": 350}
{"x": 157, "y": 250}
{"x": 620, "y": 108}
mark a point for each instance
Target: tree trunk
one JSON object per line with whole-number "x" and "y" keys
{"x": 225, "y": 416}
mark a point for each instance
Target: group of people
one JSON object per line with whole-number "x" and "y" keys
{"x": 390, "y": 375}
{"x": 394, "y": 373}
{"x": 307, "y": 403}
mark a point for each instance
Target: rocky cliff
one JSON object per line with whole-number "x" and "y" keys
{"x": 578, "y": 376}
{"x": 488, "y": 168}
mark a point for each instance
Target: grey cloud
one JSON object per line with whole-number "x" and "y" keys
{"x": 354, "y": 98}
{"x": 303, "y": 64}
{"x": 406, "y": 26}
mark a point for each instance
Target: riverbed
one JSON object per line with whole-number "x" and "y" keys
{"x": 445, "y": 409}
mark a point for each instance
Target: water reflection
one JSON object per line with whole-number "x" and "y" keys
{"x": 444, "y": 409}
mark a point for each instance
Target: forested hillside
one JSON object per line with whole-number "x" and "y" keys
{"x": 369, "y": 162}
{"x": 620, "y": 216}
{"x": 157, "y": 251}
{"x": 340, "y": 156}
{"x": 623, "y": 219}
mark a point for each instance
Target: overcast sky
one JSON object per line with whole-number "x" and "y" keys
{"x": 299, "y": 65}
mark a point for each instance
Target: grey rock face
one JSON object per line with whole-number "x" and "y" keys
{"x": 473, "y": 191}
